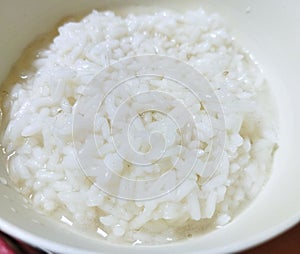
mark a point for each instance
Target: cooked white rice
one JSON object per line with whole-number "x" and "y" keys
{"x": 42, "y": 141}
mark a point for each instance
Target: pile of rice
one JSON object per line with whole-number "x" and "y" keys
{"x": 38, "y": 131}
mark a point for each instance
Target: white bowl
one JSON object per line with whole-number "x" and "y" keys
{"x": 269, "y": 30}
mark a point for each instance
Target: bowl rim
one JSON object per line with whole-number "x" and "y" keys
{"x": 52, "y": 246}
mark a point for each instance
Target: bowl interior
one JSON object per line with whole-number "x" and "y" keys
{"x": 265, "y": 28}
